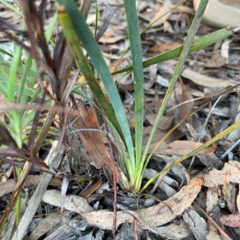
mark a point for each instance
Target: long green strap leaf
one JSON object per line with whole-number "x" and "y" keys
{"x": 50, "y": 28}
{"x": 21, "y": 97}
{"x": 178, "y": 68}
{"x": 204, "y": 146}
{"x": 136, "y": 51}
{"x": 11, "y": 6}
{"x": 89, "y": 43}
{"x": 72, "y": 40}
{"x": 183, "y": 56}
{"x": 175, "y": 53}
{"x": 149, "y": 25}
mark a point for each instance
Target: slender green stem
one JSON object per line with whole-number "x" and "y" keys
{"x": 96, "y": 20}
{"x": 185, "y": 51}
{"x": 149, "y": 25}
{"x": 12, "y": 7}
{"x": 207, "y": 144}
{"x": 136, "y": 50}
{"x": 178, "y": 69}
{"x": 89, "y": 43}
{"x": 175, "y": 53}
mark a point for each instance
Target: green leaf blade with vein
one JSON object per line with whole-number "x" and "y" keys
{"x": 197, "y": 45}
{"x": 11, "y": 6}
{"x": 136, "y": 53}
{"x": 183, "y": 56}
{"x": 218, "y": 137}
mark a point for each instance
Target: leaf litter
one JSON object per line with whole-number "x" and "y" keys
{"x": 207, "y": 72}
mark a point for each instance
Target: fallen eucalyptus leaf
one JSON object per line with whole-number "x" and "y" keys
{"x": 151, "y": 217}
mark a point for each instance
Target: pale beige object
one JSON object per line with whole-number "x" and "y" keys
{"x": 221, "y": 13}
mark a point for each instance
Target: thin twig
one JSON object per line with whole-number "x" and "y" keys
{"x": 114, "y": 189}
{"x": 213, "y": 222}
{"x": 33, "y": 204}
{"x": 135, "y": 229}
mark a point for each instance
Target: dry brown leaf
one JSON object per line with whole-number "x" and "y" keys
{"x": 87, "y": 128}
{"x": 185, "y": 109}
{"x": 145, "y": 17}
{"x": 10, "y": 185}
{"x": 53, "y": 197}
{"x": 229, "y": 173}
{"x": 211, "y": 199}
{"x": 215, "y": 61}
{"x": 148, "y": 83}
{"x": 167, "y": 27}
{"x": 175, "y": 231}
{"x": 92, "y": 139}
{"x": 4, "y": 176}
{"x": 176, "y": 134}
{"x": 142, "y": 6}
{"x": 47, "y": 223}
{"x": 183, "y": 95}
{"x": 196, "y": 223}
{"x": 238, "y": 199}
{"x": 181, "y": 148}
{"x": 212, "y": 232}
{"x": 206, "y": 81}
{"x": 111, "y": 40}
{"x": 151, "y": 217}
{"x": 165, "y": 122}
{"x": 231, "y": 220}
{"x": 210, "y": 160}
{"x": 225, "y": 49}
{"x": 231, "y": 195}
{"x": 160, "y": 12}
{"x": 164, "y": 47}
{"x": 86, "y": 193}
{"x": 185, "y": 9}
{"x": 181, "y": 17}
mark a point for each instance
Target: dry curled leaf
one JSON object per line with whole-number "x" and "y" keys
{"x": 151, "y": 217}
{"x": 204, "y": 80}
{"x": 211, "y": 198}
{"x": 229, "y": 173}
{"x": 175, "y": 231}
{"x": 232, "y": 220}
{"x": 165, "y": 122}
{"x": 47, "y": 223}
{"x": 181, "y": 148}
{"x": 164, "y": 47}
{"x": 10, "y": 185}
{"x": 216, "y": 61}
{"x": 53, "y": 197}
{"x": 87, "y": 128}
{"x": 196, "y": 223}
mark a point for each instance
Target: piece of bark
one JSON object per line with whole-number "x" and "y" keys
{"x": 37, "y": 196}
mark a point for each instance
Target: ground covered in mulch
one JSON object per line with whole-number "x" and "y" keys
{"x": 199, "y": 198}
